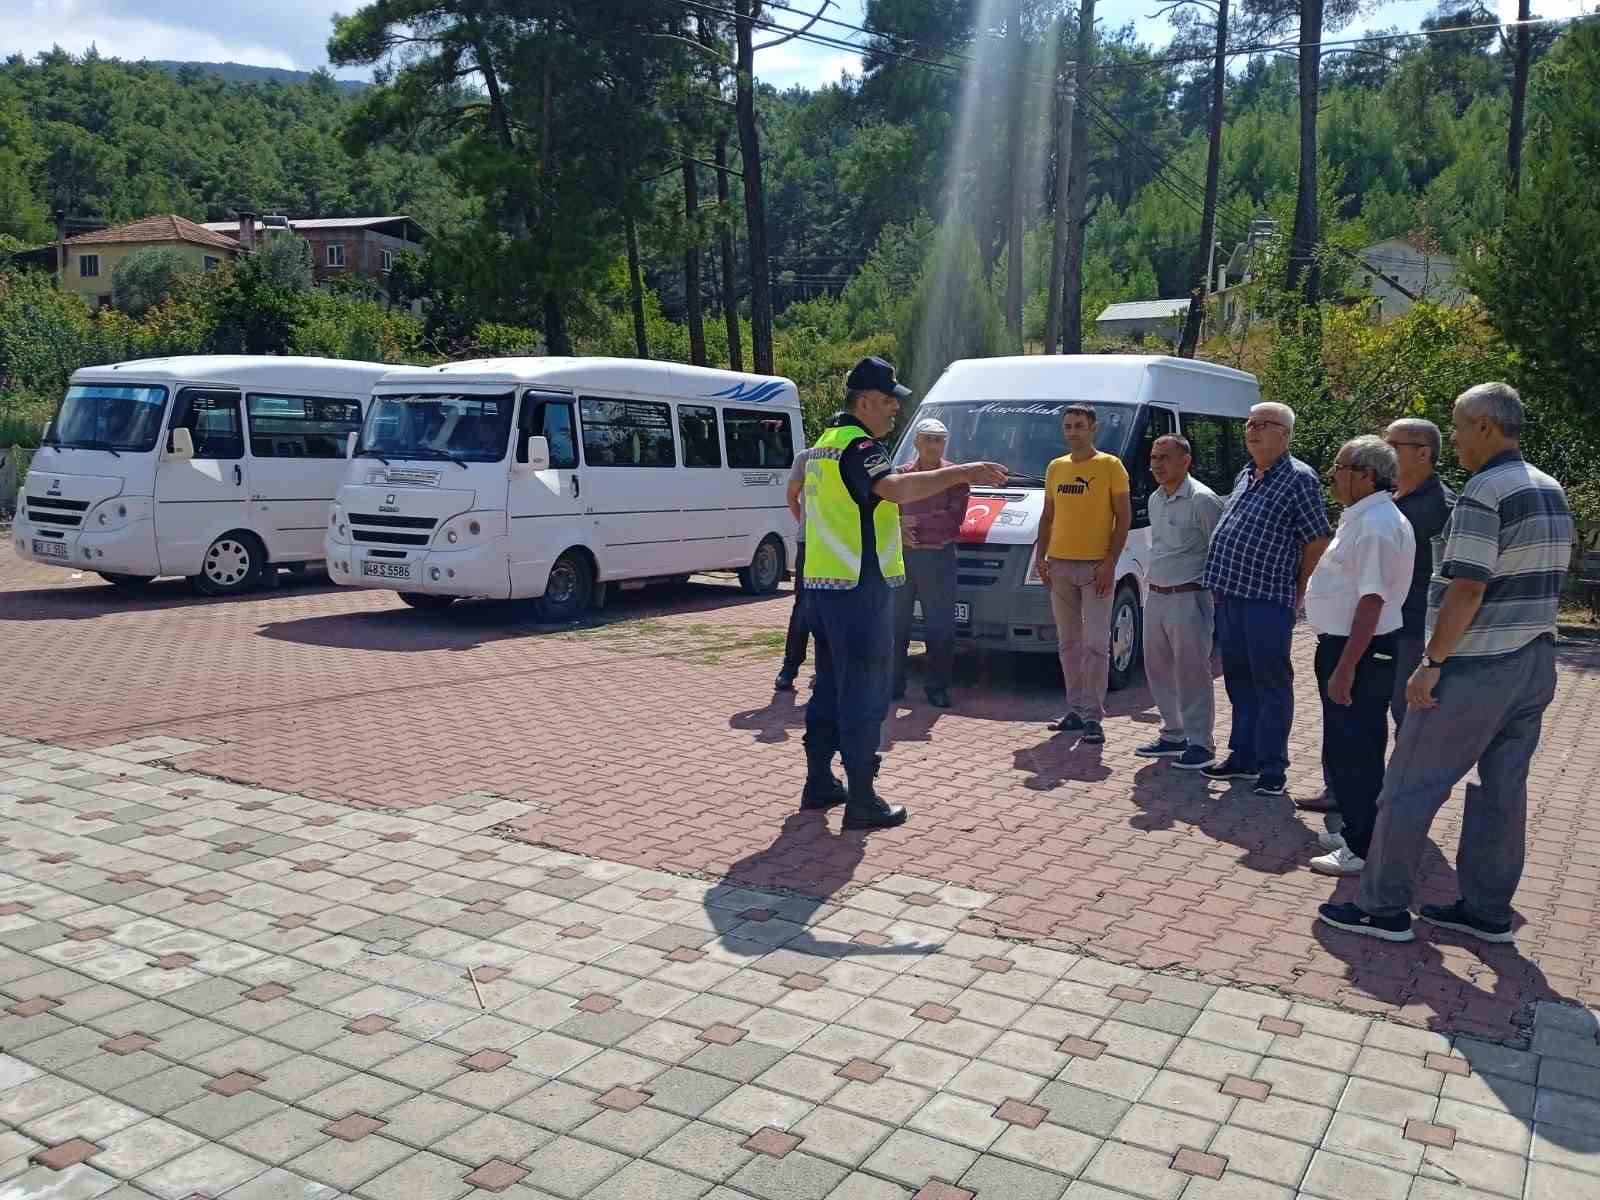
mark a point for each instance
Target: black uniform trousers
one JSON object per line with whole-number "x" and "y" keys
{"x": 854, "y": 632}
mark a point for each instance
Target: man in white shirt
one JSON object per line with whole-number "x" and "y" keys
{"x": 1354, "y": 601}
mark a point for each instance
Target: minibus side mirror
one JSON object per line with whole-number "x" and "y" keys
{"x": 182, "y": 448}
{"x": 538, "y": 453}
{"x": 350, "y": 444}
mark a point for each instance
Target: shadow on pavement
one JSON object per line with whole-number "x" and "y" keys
{"x": 772, "y": 722}
{"x": 1264, "y": 827}
{"x": 92, "y": 597}
{"x": 807, "y": 857}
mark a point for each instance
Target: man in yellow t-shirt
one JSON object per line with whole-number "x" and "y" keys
{"x": 1085, "y": 523}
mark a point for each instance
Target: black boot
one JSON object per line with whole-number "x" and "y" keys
{"x": 865, "y": 809}
{"x": 823, "y": 789}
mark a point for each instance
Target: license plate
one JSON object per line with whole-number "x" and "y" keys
{"x": 383, "y": 570}
{"x": 963, "y": 612}
{"x": 46, "y": 549}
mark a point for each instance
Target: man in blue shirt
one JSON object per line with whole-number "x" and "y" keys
{"x": 1272, "y": 532}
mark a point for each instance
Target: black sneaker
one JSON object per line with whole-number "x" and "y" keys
{"x": 1093, "y": 735}
{"x": 1163, "y": 748}
{"x": 1230, "y": 768}
{"x": 1455, "y": 916}
{"x": 938, "y": 697}
{"x": 1069, "y": 723}
{"x": 1352, "y": 918}
{"x": 1272, "y": 785}
{"x": 784, "y": 682}
{"x": 1195, "y": 758}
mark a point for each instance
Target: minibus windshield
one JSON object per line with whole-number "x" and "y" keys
{"x": 444, "y": 425}
{"x": 1022, "y": 435}
{"x": 108, "y": 417}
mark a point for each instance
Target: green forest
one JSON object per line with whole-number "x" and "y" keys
{"x": 615, "y": 178}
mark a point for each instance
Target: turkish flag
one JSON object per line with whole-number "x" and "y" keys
{"x": 981, "y": 514}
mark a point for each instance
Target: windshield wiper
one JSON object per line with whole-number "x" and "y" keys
{"x": 1017, "y": 477}
{"x": 430, "y": 452}
{"x": 366, "y": 453}
{"x": 97, "y": 444}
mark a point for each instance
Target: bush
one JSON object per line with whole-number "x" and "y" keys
{"x": 147, "y": 277}
{"x": 347, "y": 326}
{"x": 46, "y": 334}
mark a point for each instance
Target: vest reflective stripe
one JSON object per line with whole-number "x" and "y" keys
{"x": 833, "y": 520}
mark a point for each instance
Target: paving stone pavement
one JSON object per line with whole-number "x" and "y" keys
{"x": 213, "y": 989}
{"x": 652, "y": 738}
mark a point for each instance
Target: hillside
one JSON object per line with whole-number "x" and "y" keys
{"x": 234, "y": 72}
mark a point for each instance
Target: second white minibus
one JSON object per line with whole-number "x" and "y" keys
{"x": 548, "y": 478}
{"x": 221, "y": 468}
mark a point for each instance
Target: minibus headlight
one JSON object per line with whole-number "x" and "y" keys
{"x": 474, "y": 528}
{"x": 450, "y": 536}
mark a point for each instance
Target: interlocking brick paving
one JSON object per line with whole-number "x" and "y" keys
{"x": 355, "y": 1055}
{"x": 652, "y": 737}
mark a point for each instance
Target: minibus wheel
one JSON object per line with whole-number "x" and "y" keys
{"x": 426, "y": 602}
{"x": 568, "y": 590}
{"x": 1126, "y": 636}
{"x": 233, "y": 564}
{"x": 128, "y": 583}
{"x": 765, "y": 572}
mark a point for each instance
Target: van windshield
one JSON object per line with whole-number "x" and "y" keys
{"x": 1022, "y": 435}
{"x": 105, "y": 417}
{"x": 443, "y": 425}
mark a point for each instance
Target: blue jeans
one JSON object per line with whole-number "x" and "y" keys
{"x": 1253, "y": 639}
{"x": 854, "y": 633}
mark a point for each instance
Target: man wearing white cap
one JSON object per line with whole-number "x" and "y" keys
{"x": 928, "y": 530}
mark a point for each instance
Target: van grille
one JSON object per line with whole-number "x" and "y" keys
{"x": 52, "y": 510}
{"x": 386, "y": 530}
{"x": 384, "y": 521}
{"x": 982, "y": 568}
{"x": 382, "y": 538}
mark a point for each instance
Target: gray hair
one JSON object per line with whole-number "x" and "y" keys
{"x": 1178, "y": 440}
{"x": 1425, "y": 431}
{"x": 852, "y": 397}
{"x": 1497, "y": 401}
{"x": 1371, "y": 453}
{"x": 1280, "y": 412}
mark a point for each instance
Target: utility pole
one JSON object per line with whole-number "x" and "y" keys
{"x": 1072, "y": 297}
{"x": 1519, "y": 96}
{"x": 691, "y": 264}
{"x": 1065, "y": 114}
{"x": 1017, "y": 214}
{"x": 1208, "y": 215}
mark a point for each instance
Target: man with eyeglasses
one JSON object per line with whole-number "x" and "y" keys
{"x": 1272, "y": 532}
{"x": 1353, "y": 602}
{"x": 1425, "y": 501}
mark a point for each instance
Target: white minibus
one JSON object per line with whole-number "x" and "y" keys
{"x": 552, "y": 477}
{"x": 1008, "y": 410}
{"x": 218, "y": 468}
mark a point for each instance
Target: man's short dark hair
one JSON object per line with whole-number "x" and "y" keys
{"x": 1178, "y": 440}
{"x": 1082, "y": 410}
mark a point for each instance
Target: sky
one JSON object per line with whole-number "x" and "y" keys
{"x": 294, "y": 33}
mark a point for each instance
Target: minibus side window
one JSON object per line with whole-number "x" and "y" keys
{"x": 551, "y": 420}
{"x": 300, "y": 426}
{"x": 697, "y": 426}
{"x": 1158, "y": 422}
{"x": 627, "y": 433}
{"x": 212, "y": 418}
{"x": 758, "y": 437}
{"x": 1219, "y": 453}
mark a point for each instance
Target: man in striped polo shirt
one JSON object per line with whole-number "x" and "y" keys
{"x": 1487, "y": 675}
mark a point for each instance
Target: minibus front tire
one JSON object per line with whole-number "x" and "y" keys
{"x": 128, "y": 583}
{"x": 765, "y": 572}
{"x": 233, "y": 564}
{"x": 424, "y": 602}
{"x": 1127, "y": 635}
{"x": 568, "y": 591}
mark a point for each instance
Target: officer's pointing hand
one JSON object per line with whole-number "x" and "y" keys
{"x": 984, "y": 474}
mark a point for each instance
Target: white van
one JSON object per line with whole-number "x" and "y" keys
{"x": 550, "y": 477}
{"x": 1008, "y": 410}
{"x": 219, "y": 468}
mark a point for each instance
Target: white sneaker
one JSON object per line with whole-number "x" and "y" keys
{"x": 1340, "y": 862}
{"x": 1330, "y": 841}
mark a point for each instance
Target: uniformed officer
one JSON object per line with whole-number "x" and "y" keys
{"x": 853, "y": 560}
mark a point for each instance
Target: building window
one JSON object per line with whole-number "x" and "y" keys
{"x": 627, "y": 433}
{"x": 210, "y": 262}
{"x": 88, "y": 266}
{"x": 388, "y": 261}
{"x": 336, "y": 254}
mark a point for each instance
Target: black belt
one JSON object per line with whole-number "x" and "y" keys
{"x": 1173, "y": 591}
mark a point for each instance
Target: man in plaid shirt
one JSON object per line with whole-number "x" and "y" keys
{"x": 1272, "y": 532}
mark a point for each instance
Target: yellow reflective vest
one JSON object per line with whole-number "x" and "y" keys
{"x": 833, "y": 520}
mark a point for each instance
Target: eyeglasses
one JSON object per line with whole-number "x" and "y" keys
{"x": 1337, "y": 467}
{"x": 1258, "y": 423}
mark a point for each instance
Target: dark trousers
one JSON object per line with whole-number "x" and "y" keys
{"x": 931, "y": 578}
{"x": 1408, "y": 648}
{"x": 1253, "y": 639}
{"x": 1355, "y": 737}
{"x": 794, "y": 646}
{"x": 854, "y": 631}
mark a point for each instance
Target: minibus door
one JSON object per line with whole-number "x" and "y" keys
{"x": 544, "y": 508}
{"x": 201, "y": 497}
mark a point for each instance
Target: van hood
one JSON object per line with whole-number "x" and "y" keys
{"x": 59, "y": 485}
{"x": 1002, "y": 516}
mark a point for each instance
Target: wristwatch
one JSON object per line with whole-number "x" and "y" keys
{"x": 1433, "y": 664}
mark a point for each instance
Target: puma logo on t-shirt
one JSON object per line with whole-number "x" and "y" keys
{"x": 1073, "y": 489}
